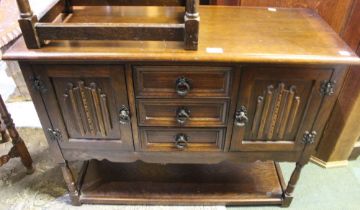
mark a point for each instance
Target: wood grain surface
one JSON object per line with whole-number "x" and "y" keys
{"x": 284, "y": 35}
{"x": 224, "y": 183}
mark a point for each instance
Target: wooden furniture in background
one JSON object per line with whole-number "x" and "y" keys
{"x": 182, "y": 25}
{"x": 241, "y": 97}
{"x": 343, "y": 130}
{"x": 8, "y": 130}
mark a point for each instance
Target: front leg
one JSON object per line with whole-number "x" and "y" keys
{"x": 70, "y": 182}
{"x": 288, "y": 194}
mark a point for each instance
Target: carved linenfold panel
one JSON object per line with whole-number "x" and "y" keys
{"x": 275, "y": 112}
{"x": 265, "y": 111}
{"x": 89, "y": 108}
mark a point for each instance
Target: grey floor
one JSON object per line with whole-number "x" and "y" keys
{"x": 318, "y": 188}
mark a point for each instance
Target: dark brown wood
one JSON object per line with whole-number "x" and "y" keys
{"x": 151, "y": 101}
{"x": 128, "y": 2}
{"x": 335, "y": 12}
{"x": 343, "y": 129}
{"x": 19, "y": 148}
{"x": 132, "y": 106}
{"x": 83, "y": 112}
{"x": 209, "y": 113}
{"x": 271, "y": 91}
{"x": 27, "y": 23}
{"x": 71, "y": 184}
{"x": 24, "y": 8}
{"x": 342, "y": 16}
{"x": 126, "y": 31}
{"x": 192, "y": 24}
{"x": 214, "y": 45}
{"x": 27, "y": 26}
{"x": 350, "y": 34}
{"x": 160, "y": 81}
{"x": 199, "y": 139}
{"x": 226, "y": 2}
{"x": 225, "y": 183}
{"x": 4, "y": 136}
{"x": 41, "y": 111}
{"x": 36, "y": 33}
{"x": 201, "y": 157}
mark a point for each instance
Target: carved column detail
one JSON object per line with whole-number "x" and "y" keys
{"x": 89, "y": 108}
{"x": 275, "y": 112}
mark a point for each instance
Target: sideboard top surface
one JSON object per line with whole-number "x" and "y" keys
{"x": 227, "y": 34}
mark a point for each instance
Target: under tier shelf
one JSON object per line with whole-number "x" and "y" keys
{"x": 182, "y": 184}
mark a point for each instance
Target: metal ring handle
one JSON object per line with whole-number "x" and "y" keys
{"x": 182, "y": 115}
{"x": 124, "y": 115}
{"x": 241, "y": 117}
{"x": 182, "y": 86}
{"x": 181, "y": 141}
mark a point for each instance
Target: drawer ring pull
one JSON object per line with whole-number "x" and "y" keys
{"x": 241, "y": 117}
{"x": 182, "y": 86}
{"x": 182, "y": 115}
{"x": 124, "y": 115}
{"x": 181, "y": 141}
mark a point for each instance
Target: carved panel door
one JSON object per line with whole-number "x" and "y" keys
{"x": 281, "y": 104}
{"x": 86, "y": 102}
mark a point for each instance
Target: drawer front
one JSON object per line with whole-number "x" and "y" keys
{"x": 182, "y": 81}
{"x": 185, "y": 113}
{"x": 182, "y": 139}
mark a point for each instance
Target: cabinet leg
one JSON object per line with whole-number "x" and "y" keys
{"x": 288, "y": 194}
{"x": 70, "y": 182}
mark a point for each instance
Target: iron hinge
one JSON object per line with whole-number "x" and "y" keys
{"x": 37, "y": 84}
{"x": 54, "y": 134}
{"x": 309, "y": 137}
{"x": 327, "y": 87}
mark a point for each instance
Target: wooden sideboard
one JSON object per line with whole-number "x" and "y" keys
{"x": 343, "y": 130}
{"x": 261, "y": 86}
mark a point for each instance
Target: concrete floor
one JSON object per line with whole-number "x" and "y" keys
{"x": 318, "y": 188}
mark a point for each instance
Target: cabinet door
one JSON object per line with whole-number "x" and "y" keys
{"x": 84, "y": 102}
{"x": 280, "y": 105}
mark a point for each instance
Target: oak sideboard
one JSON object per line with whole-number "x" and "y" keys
{"x": 157, "y": 124}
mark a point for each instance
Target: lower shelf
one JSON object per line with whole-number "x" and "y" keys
{"x": 258, "y": 183}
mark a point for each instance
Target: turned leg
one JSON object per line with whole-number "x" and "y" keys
{"x": 4, "y": 137}
{"x": 5, "y": 158}
{"x": 288, "y": 194}
{"x": 17, "y": 141}
{"x": 70, "y": 182}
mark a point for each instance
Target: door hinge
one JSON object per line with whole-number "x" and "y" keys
{"x": 309, "y": 137}
{"x": 37, "y": 84}
{"x": 327, "y": 87}
{"x": 54, "y": 134}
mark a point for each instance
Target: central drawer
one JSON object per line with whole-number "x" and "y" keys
{"x": 183, "y": 112}
{"x": 182, "y": 139}
{"x": 182, "y": 108}
{"x": 182, "y": 81}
